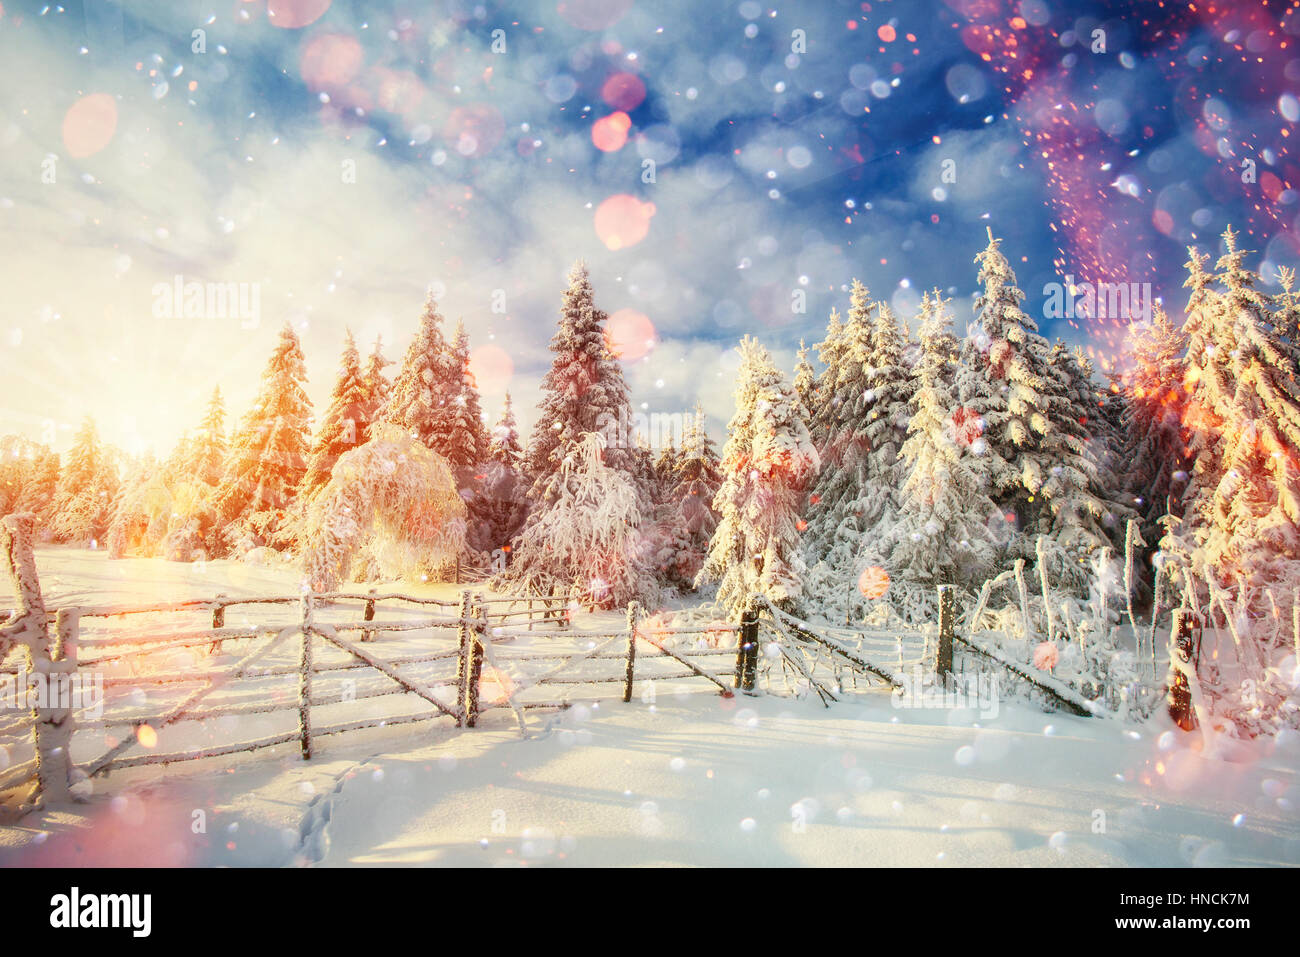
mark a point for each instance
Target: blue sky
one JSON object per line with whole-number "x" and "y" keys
{"x": 131, "y": 157}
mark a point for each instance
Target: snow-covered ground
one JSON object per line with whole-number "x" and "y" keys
{"x": 690, "y": 778}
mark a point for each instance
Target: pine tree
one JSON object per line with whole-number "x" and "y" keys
{"x": 203, "y": 457}
{"x": 584, "y": 391}
{"x": 499, "y": 504}
{"x": 504, "y": 446}
{"x": 377, "y": 386}
{"x": 837, "y": 512}
{"x": 766, "y": 465}
{"x": 587, "y": 535}
{"x": 690, "y": 520}
{"x": 665, "y": 471}
{"x": 886, "y": 409}
{"x": 1038, "y": 465}
{"x": 345, "y": 423}
{"x": 268, "y": 456}
{"x": 805, "y": 381}
{"x": 1155, "y": 441}
{"x": 466, "y": 444}
{"x": 83, "y": 498}
{"x": 422, "y": 396}
{"x": 38, "y": 488}
{"x": 1247, "y": 497}
{"x": 942, "y": 534}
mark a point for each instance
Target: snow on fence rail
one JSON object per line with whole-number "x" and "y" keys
{"x": 885, "y": 654}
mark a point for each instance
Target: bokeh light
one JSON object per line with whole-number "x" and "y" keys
{"x": 630, "y": 334}
{"x": 89, "y": 124}
{"x": 622, "y": 221}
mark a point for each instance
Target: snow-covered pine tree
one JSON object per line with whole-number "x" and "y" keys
{"x": 586, "y": 535}
{"x": 429, "y": 380}
{"x": 805, "y": 381}
{"x": 696, "y": 478}
{"x": 345, "y": 423}
{"x": 83, "y": 497}
{"x": 836, "y": 512}
{"x": 884, "y": 408}
{"x": 142, "y": 512}
{"x": 1038, "y": 465}
{"x": 38, "y": 489}
{"x": 665, "y": 471}
{"x": 1155, "y": 441}
{"x": 1247, "y": 525}
{"x": 504, "y": 445}
{"x": 268, "y": 455}
{"x": 205, "y": 458}
{"x": 830, "y": 351}
{"x": 941, "y": 535}
{"x": 466, "y": 445}
{"x": 498, "y": 510}
{"x": 766, "y": 465}
{"x": 377, "y": 385}
{"x": 584, "y": 391}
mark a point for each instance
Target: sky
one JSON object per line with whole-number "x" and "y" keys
{"x": 724, "y": 169}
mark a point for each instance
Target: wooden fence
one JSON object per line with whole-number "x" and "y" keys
{"x": 188, "y": 668}
{"x": 304, "y": 675}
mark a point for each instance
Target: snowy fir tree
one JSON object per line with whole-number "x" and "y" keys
{"x": 587, "y": 537}
{"x": 268, "y": 455}
{"x": 942, "y": 533}
{"x": 504, "y": 446}
{"x": 805, "y": 381}
{"x": 466, "y": 443}
{"x": 1037, "y": 465}
{"x": 422, "y": 396}
{"x": 376, "y": 383}
{"x": 345, "y": 423}
{"x": 499, "y": 505}
{"x": 837, "y": 512}
{"x": 142, "y": 512}
{"x": 690, "y": 519}
{"x": 206, "y": 456}
{"x": 766, "y": 465}
{"x": 40, "y": 480}
{"x": 584, "y": 391}
{"x": 83, "y": 497}
{"x": 1155, "y": 441}
{"x": 1244, "y": 420}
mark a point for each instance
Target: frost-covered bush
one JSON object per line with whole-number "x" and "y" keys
{"x": 393, "y": 501}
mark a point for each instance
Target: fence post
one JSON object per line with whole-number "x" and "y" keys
{"x": 218, "y": 621}
{"x": 305, "y": 667}
{"x": 571, "y": 605}
{"x": 1179, "y": 694}
{"x": 462, "y": 656}
{"x": 947, "y": 614}
{"x": 28, "y": 625}
{"x": 55, "y": 723}
{"x": 369, "y": 615}
{"x": 747, "y": 650}
{"x": 474, "y": 674}
{"x": 633, "y": 622}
